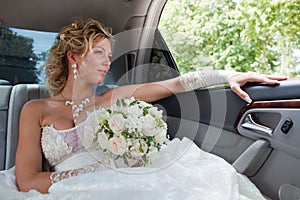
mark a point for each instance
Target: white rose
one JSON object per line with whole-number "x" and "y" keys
{"x": 149, "y": 125}
{"x": 117, "y": 145}
{"x": 135, "y": 111}
{"x": 117, "y": 123}
{"x": 102, "y": 140}
{"x": 161, "y": 137}
{"x": 155, "y": 112}
{"x": 135, "y": 148}
{"x": 133, "y": 124}
{"x": 144, "y": 104}
{"x": 103, "y": 114}
{"x": 124, "y": 109}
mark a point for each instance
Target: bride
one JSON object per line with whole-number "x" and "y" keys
{"x": 60, "y": 128}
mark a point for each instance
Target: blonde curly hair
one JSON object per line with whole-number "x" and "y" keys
{"x": 77, "y": 37}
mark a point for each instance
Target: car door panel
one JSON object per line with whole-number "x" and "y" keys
{"x": 221, "y": 107}
{"x": 213, "y": 119}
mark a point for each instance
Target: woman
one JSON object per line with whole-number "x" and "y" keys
{"x": 79, "y": 60}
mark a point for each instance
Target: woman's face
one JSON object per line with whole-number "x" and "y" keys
{"x": 95, "y": 65}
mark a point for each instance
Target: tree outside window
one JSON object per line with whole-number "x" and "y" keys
{"x": 245, "y": 35}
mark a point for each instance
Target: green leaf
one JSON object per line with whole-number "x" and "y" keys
{"x": 118, "y": 102}
{"x": 134, "y": 102}
{"x": 145, "y": 159}
{"x": 125, "y": 160}
{"x": 123, "y": 102}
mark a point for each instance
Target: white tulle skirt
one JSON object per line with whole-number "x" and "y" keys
{"x": 183, "y": 172}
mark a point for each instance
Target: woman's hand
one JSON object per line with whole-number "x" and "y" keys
{"x": 237, "y": 80}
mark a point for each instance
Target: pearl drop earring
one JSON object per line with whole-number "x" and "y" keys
{"x": 74, "y": 67}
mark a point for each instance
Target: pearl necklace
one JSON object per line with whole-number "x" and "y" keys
{"x": 77, "y": 108}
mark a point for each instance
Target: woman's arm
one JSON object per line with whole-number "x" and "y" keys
{"x": 29, "y": 173}
{"x": 148, "y": 92}
{"x": 157, "y": 90}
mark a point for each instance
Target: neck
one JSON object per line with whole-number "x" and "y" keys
{"x": 77, "y": 91}
{"x": 81, "y": 99}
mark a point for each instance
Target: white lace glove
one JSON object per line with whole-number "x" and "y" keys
{"x": 202, "y": 79}
{"x": 58, "y": 176}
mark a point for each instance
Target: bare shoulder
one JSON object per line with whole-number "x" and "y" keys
{"x": 36, "y": 106}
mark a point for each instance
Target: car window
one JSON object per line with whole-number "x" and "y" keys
{"x": 23, "y": 53}
{"x": 244, "y": 35}
{"x": 162, "y": 67}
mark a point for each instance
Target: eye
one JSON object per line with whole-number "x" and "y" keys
{"x": 99, "y": 52}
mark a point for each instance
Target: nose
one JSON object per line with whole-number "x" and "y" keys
{"x": 107, "y": 60}
{"x": 107, "y": 63}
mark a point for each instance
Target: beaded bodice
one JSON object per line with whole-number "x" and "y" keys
{"x": 57, "y": 145}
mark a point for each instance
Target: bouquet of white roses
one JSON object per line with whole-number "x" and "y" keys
{"x": 131, "y": 130}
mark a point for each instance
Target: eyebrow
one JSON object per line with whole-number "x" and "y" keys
{"x": 100, "y": 47}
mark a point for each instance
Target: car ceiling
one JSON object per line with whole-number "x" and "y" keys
{"x": 51, "y": 15}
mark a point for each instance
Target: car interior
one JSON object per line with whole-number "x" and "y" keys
{"x": 261, "y": 139}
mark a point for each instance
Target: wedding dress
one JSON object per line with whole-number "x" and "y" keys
{"x": 181, "y": 171}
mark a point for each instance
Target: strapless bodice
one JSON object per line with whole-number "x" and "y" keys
{"x": 58, "y": 145}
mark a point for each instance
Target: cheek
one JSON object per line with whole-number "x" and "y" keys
{"x": 92, "y": 61}
{"x": 95, "y": 62}
{"x": 90, "y": 71}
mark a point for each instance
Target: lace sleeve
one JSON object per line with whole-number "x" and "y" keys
{"x": 58, "y": 176}
{"x": 201, "y": 79}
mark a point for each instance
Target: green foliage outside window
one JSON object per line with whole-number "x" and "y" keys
{"x": 245, "y": 35}
{"x": 17, "y": 59}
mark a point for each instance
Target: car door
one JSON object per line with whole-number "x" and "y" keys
{"x": 259, "y": 139}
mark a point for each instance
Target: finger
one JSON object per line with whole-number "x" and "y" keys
{"x": 270, "y": 81}
{"x": 263, "y": 79}
{"x": 280, "y": 78}
{"x": 241, "y": 93}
